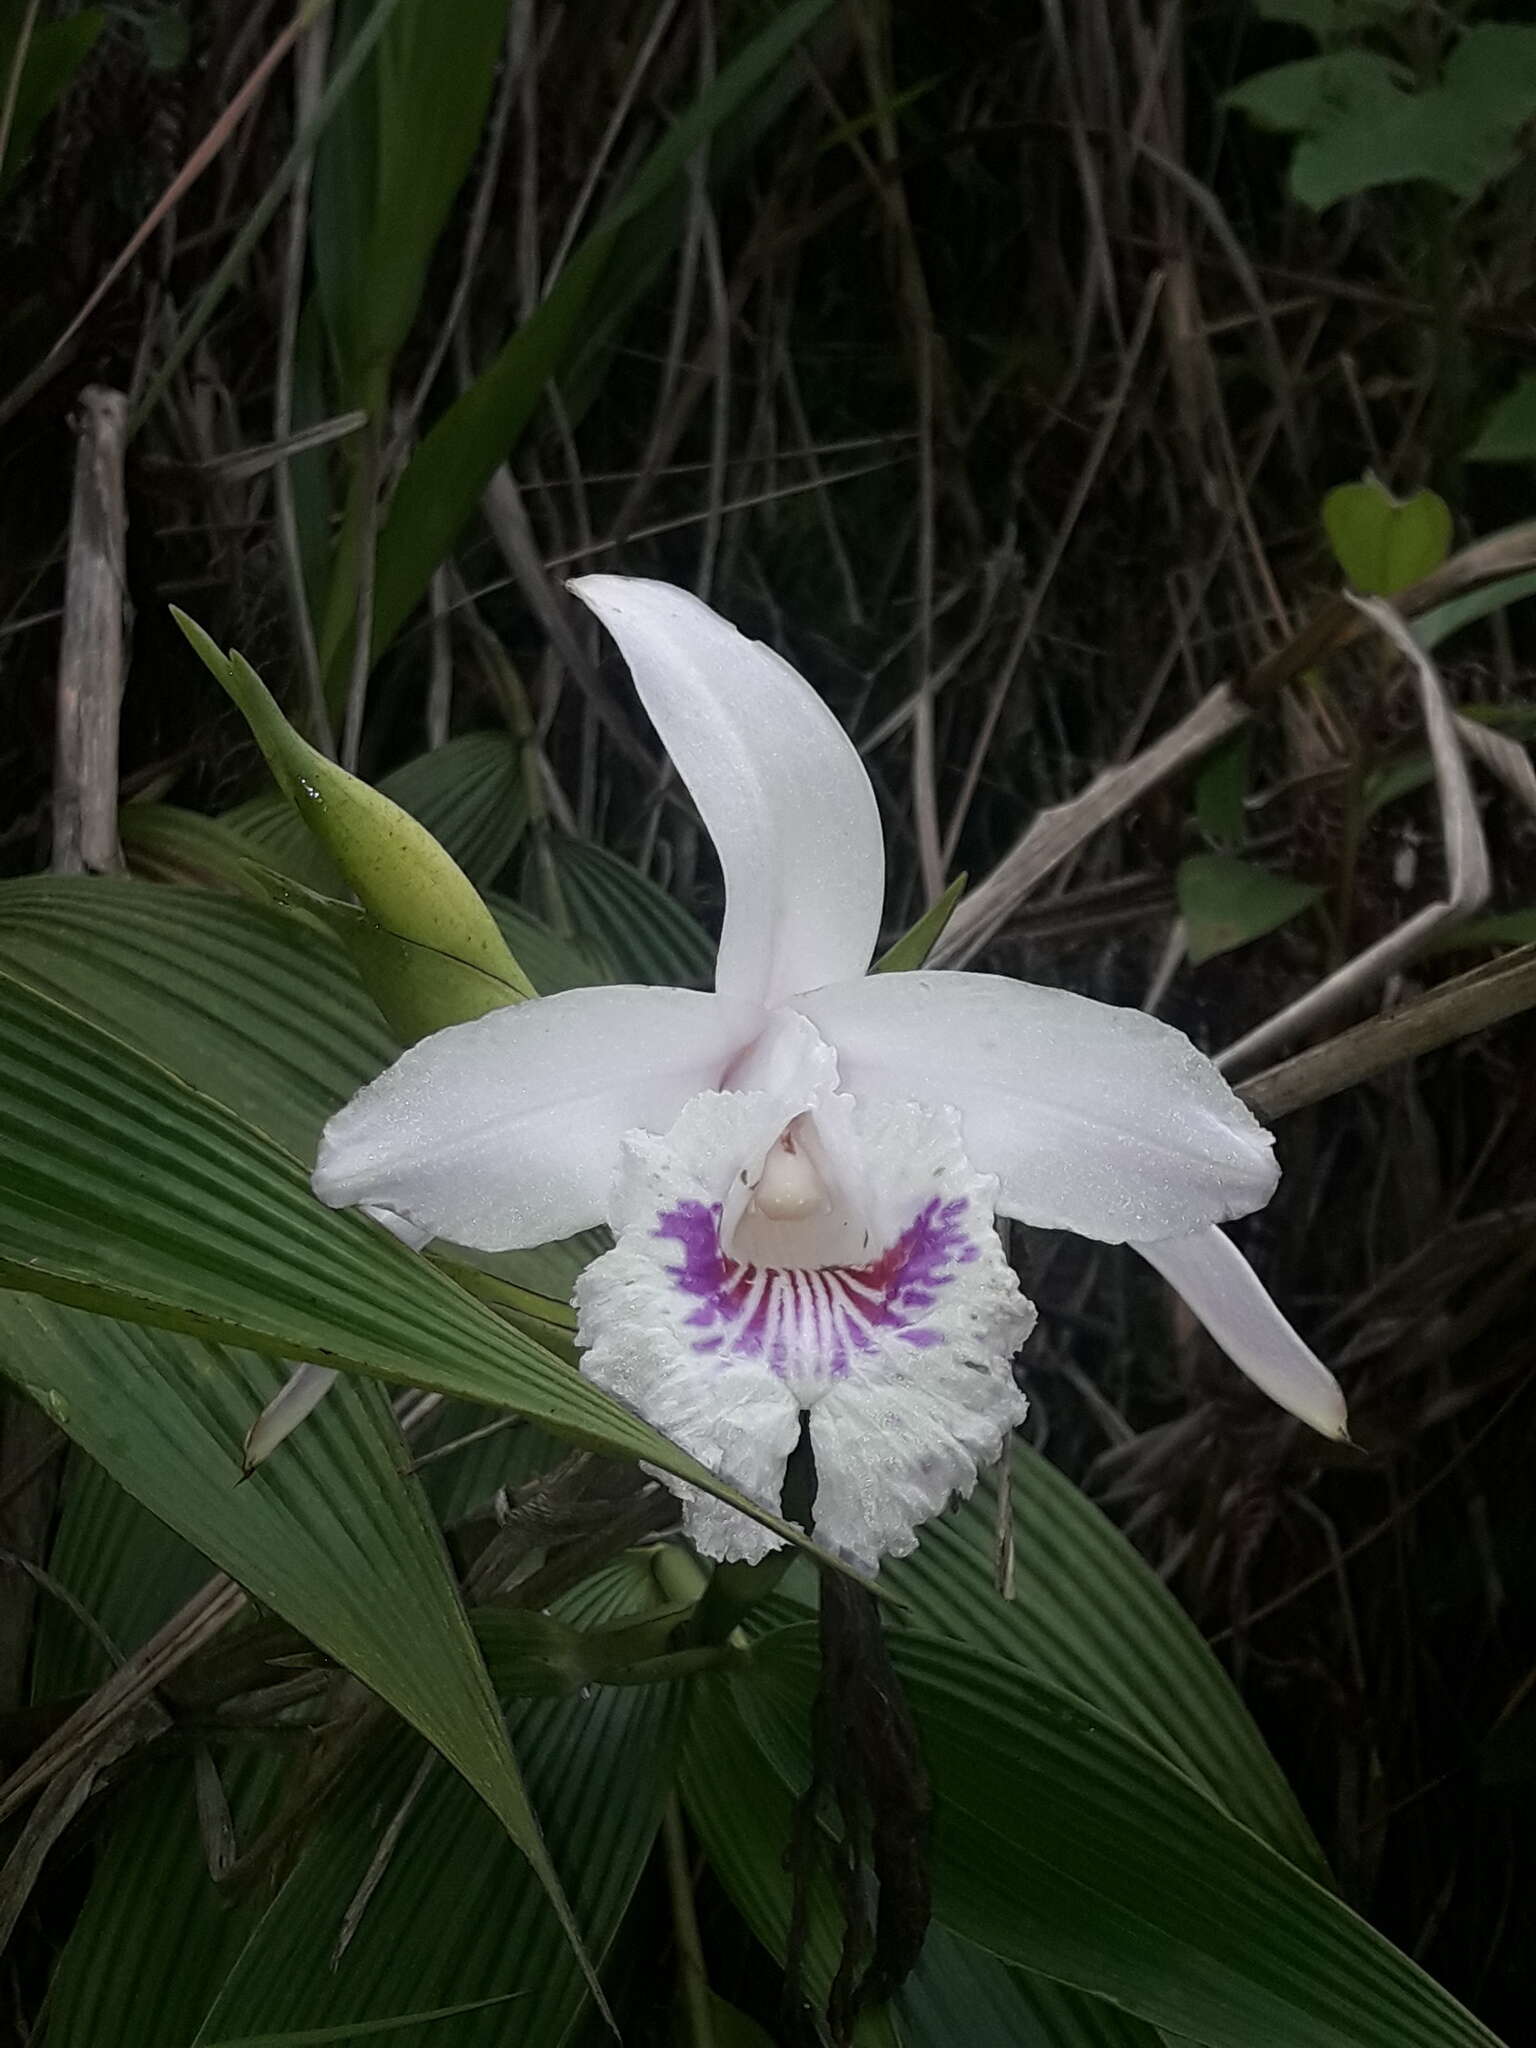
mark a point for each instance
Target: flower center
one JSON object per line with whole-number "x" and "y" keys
{"x": 794, "y": 1216}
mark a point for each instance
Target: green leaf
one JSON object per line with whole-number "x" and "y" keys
{"x": 1383, "y": 543}
{"x": 443, "y": 481}
{"x": 625, "y": 918}
{"x": 959, "y": 1993}
{"x": 1503, "y": 928}
{"x": 335, "y": 1536}
{"x": 55, "y": 52}
{"x": 1509, "y": 432}
{"x": 1460, "y": 135}
{"x": 1090, "y": 1615}
{"x": 1430, "y": 628}
{"x": 163, "y": 843}
{"x": 155, "y": 1936}
{"x": 1226, "y": 902}
{"x": 388, "y": 168}
{"x": 532, "y": 1655}
{"x": 455, "y": 1915}
{"x": 124, "y": 1566}
{"x": 1318, "y": 95}
{"x": 402, "y": 877}
{"x": 914, "y": 946}
{"x": 247, "y": 1005}
{"x": 1065, "y": 1845}
{"x": 130, "y": 1194}
{"x": 743, "y": 1817}
{"x": 1221, "y": 789}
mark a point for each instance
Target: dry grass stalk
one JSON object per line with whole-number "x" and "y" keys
{"x": 92, "y": 656}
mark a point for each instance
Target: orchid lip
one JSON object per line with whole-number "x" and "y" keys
{"x": 808, "y": 1323}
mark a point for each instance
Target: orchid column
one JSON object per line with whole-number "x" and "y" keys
{"x": 803, "y": 1169}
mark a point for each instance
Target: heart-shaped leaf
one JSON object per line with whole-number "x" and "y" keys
{"x": 1383, "y": 543}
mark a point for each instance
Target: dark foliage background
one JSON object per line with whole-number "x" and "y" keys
{"x": 989, "y": 368}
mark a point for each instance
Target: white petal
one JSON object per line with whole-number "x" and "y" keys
{"x": 903, "y": 1360}
{"x": 1229, "y": 1298}
{"x": 1095, "y": 1119}
{"x": 505, "y": 1132}
{"x": 777, "y": 781}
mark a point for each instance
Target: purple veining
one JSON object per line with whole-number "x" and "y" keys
{"x": 810, "y": 1321}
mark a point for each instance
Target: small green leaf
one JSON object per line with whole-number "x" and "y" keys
{"x": 1383, "y": 543}
{"x": 1509, "y": 432}
{"x": 402, "y": 877}
{"x": 914, "y": 946}
{"x": 1319, "y": 94}
{"x": 1226, "y": 902}
{"x": 1221, "y": 789}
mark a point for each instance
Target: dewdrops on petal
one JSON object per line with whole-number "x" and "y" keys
{"x": 841, "y": 1261}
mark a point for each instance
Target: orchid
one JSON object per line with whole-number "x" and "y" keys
{"x": 803, "y": 1170}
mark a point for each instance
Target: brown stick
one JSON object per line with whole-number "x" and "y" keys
{"x": 92, "y": 654}
{"x": 1472, "y": 1002}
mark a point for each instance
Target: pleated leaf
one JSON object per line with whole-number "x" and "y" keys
{"x": 627, "y": 919}
{"x": 454, "y": 1916}
{"x": 959, "y": 1993}
{"x": 1064, "y": 1844}
{"x": 1090, "y": 1615}
{"x": 336, "y": 1537}
{"x": 246, "y": 1004}
{"x": 156, "y": 1936}
{"x": 131, "y": 1194}
{"x": 743, "y": 1816}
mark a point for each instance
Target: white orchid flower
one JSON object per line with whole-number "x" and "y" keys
{"x": 802, "y": 1171}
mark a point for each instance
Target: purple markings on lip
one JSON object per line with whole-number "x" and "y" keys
{"x": 810, "y": 1321}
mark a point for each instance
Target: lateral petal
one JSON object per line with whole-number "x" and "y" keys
{"x": 1095, "y": 1119}
{"x": 505, "y": 1132}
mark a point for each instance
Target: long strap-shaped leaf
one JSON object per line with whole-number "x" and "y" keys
{"x": 444, "y": 478}
{"x": 1064, "y": 1844}
{"x": 1089, "y": 1614}
{"x": 129, "y": 1193}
